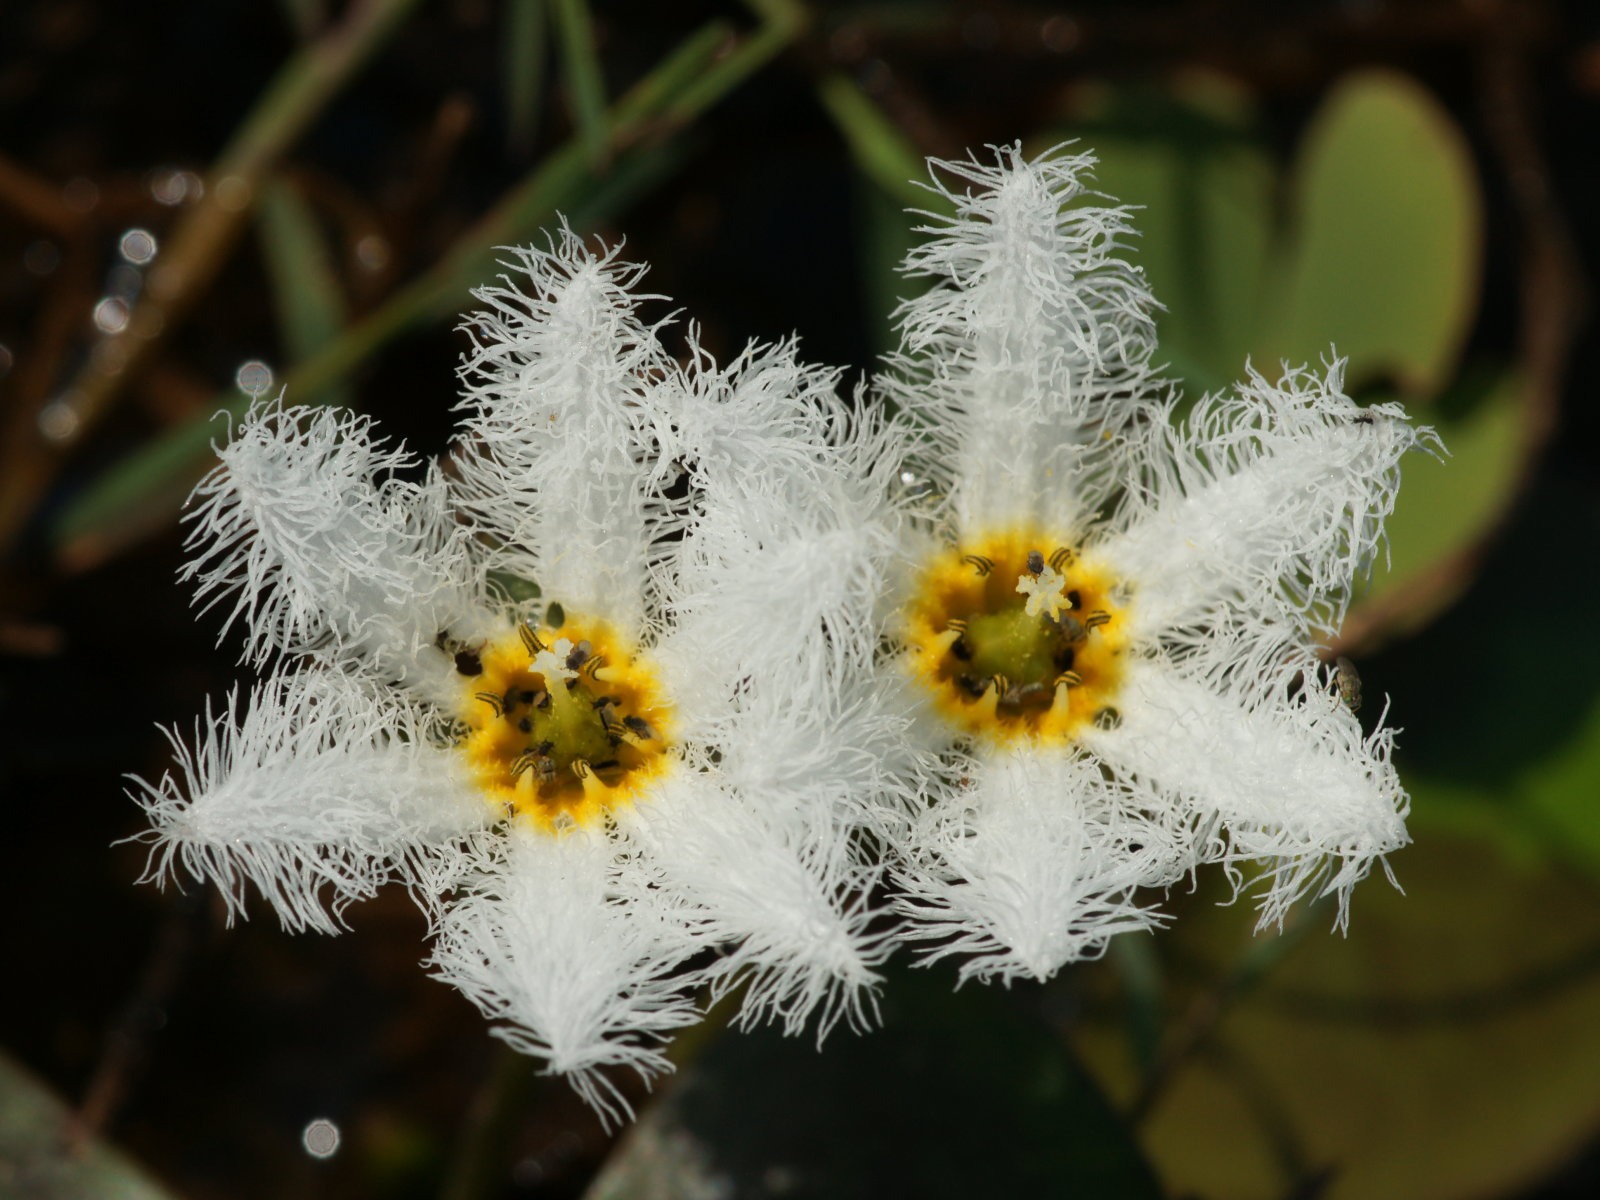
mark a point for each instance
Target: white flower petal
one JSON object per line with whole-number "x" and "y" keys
{"x": 576, "y": 965}
{"x": 1272, "y": 772}
{"x": 562, "y": 422}
{"x": 1032, "y": 347}
{"x": 1277, "y": 493}
{"x": 320, "y": 549}
{"x": 1031, "y": 865}
{"x": 320, "y": 790}
{"x": 781, "y": 893}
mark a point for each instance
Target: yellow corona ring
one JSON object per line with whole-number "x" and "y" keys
{"x": 563, "y": 722}
{"x": 1016, "y": 637}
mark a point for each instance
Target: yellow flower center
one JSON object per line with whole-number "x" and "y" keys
{"x": 1016, "y": 636}
{"x": 562, "y": 723}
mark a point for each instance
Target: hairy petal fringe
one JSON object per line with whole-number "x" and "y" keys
{"x": 1275, "y": 494}
{"x": 315, "y": 790}
{"x": 577, "y": 963}
{"x": 1032, "y": 349}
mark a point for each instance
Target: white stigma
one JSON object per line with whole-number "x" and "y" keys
{"x": 1046, "y": 592}
{"x": 552, "y": 663}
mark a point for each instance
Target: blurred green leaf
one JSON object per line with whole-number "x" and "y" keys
{"x": 960, "y": 1094}
{"x": 1386, "y": 236}
{"x": 880, "y": 150}
{"x": 1189, "y": 161}
{"x": 523, "y": 63}
{"x": 43, "y": 1156}
{"x": 586, "y": 91}
{"x": 1445, "y": 1048}
{"x": 1508, "y": 744}
{"x": 1447, "y": 504}
{"x": 306, "y": 295}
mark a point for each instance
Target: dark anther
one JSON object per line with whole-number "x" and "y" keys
{"x": 578, "y": 656}
{"x": 509, "y": 700}
{"x": 468, "y": 663}
{"x": 1075, "y": 598}
{"x": 526, "y": 724}
{"x": 978, "y": 563}
{"x": 1035, "y": 563}
{"x": 526, "y": 696}
{"x": 602, "y": 701}
{"x": 606, "y": 765}
{"x": 544, "y": 748}
{"x": 1107, "y": 718}
{"x": 1071, "y": 628}
{"x": 961, "y": 650}
{"x": 1030, "y": 693}
{"x": 492, "y": 701}
{"x": 1064, "y": 658}
{"x": 972, "y": 685}
{"x": 530, "y": 639}
{"x": 639, "y": 727}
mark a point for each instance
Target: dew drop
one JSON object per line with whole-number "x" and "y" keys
{"x": 111, "y": 314}
{"x": 320, "y": 1138}
{"x": 58, "y": 420}
{"x": 253, "y": 378}
{"x": 138, "y": 246}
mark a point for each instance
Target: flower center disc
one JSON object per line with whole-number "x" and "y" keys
{"x": 1016, "y": 637}
{"x": 562, "y": 723}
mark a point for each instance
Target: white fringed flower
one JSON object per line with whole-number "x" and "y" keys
{"x": 1108, "y": 611}
{"x": 657, "y": 757}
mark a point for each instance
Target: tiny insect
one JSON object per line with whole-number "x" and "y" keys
{"x": 1035, "y": 563}
{"x": 1349, "y": 680}
{"x": 639, "y": 727}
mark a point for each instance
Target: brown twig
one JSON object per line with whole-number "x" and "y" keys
{"x": 197, "y": 248}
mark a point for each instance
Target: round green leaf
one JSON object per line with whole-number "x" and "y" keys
{"x": 1387, "y": 230}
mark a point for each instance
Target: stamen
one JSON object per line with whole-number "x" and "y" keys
{"x": 978, "y": 563}
{"x": 999, "y": 631}
{"x": 564, "y": 753}
{"x": 530, "y": 639}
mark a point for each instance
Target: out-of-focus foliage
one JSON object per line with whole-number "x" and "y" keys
{"x": 959, "y": 1094}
